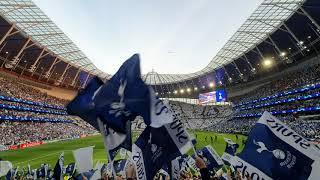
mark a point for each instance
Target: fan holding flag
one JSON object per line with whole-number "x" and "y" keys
{"x": 110, "y": 107}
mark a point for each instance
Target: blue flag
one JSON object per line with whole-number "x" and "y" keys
{"x": 230, "y": 151}
{"x": 58, "y": 169}
{"x": 70, "y": 169}
{"x": 119, "y": 166}
{"x": 274, "y": 151}
{"x": 211, "y": 158}
{"x": 41, "y": 171}
{"x": 120, "y": 93}
{"x": 83, "y": 106}
{"x": 10, "y": 174}
{"x": 85, "y": 175}
{"x": 158, "y": 146}
{"x": 125, "y": 96}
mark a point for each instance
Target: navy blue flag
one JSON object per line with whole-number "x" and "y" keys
{"x": 230, "y": 150}
{"x": 120, "y": 93}
{"x": 158, "y": 146}
{"x": 125, "y": 96}
{"x": 58, "y": 169}
{"x": 119, "y": 166}
{"x": 211, "y": 158}
{"x": 70, "y": 169}
{"x": 182, "y": 161}
{"x": 85, "y": 175}
{"x": 41, "y": 171}
{"x": 10, "y": 174}
{"x": 274, "y": 151}
{"x": 83, "y": 106}
{"x": 103, "y": 168}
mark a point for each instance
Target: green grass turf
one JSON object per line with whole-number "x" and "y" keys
{"x": 49, "y": 153}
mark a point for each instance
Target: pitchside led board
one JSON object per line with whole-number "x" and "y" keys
{"x": 219, "y": 95}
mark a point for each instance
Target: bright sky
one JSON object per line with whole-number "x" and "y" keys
{"x": 172, "y": 36}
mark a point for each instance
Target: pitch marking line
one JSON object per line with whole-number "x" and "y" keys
{"x": 39, "y": 157}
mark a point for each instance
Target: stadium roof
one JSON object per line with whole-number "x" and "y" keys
{"x": 31, "y": 20}
{"x": 266, "y": 19}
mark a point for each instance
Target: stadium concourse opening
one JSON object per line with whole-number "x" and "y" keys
{"x": 252, "y": 113}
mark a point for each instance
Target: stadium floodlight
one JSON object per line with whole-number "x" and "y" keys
{"x": 211, "y": 84}
{"x": 7, "y": 52}
{"x": 301, "y": 42}
{"x": 175, "y": 92}
{"x": 196, "y": 88}
{"x": 283, "y": 54}
{"x": 309, "y": 37}
{"x": 181, "y": 91}
{"x": 188, "y": 90}
{"x": 253, "y": 70}
{"x": 267, "y": 63}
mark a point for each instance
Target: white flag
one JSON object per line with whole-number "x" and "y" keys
{"x": 5, "y": 167}
{"x": 83, "y": 157}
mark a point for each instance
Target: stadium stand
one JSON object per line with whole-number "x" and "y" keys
{"x": 199, "y": 117}
{"x": 284, "y": 33}
{"x": 16, "y": 133}
{"x": 27, "y": 115}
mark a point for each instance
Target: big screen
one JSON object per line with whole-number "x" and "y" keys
{"x": 219, "y": 95}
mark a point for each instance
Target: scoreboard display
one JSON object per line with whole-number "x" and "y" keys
{"x": 212, "y": 97}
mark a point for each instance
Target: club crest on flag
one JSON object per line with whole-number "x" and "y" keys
{"x": 118, "y": 108}
{"x": 282, "y": 153}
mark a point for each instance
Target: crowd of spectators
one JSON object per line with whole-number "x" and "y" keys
{"x": 212, "y": 117}
{"x": 197, "y": 116}
{"x": 302, "y": 77}
{"x": 191, "y": 168}
{"x": 308, "y": 129}
{"x": 28, "y": 114}
{"x": 255, "y": 102}
{"x": 14, "y": 133}
{"x": 13, "y": 88}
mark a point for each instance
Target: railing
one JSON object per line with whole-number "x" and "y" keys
{"x": 289, "y": 111}
{"x": 21, "y": 108}
{"x": 281, "y": 94}
{"x": 12, "y": 99}
{"x": 22, "y": 119}
{"x": 299, "y": 98}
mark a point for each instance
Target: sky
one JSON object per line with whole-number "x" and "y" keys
{"x": 171, "y": 36}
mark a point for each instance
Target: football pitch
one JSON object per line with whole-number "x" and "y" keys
{"x": 49, "y": 153}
